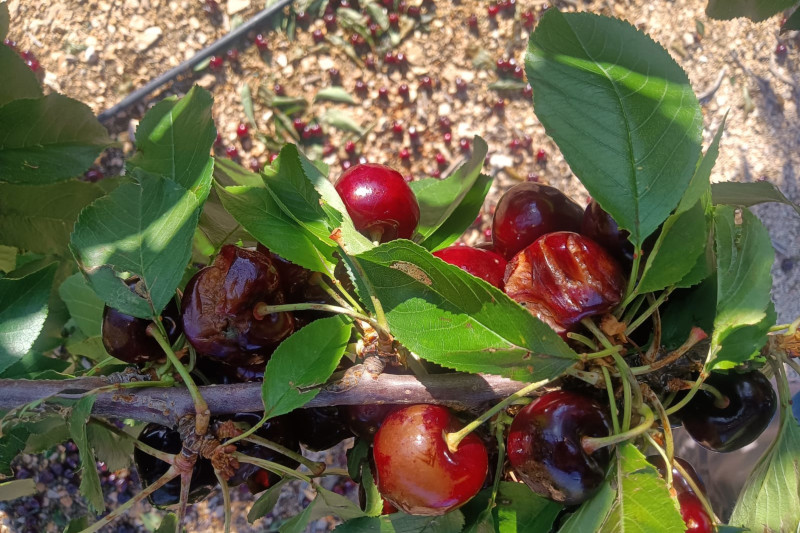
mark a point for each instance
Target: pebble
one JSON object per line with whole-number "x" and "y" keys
{"x": 147, "y": 38}
{"x": 235, "y": 6}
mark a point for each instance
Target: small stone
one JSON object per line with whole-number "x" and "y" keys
{"x": 90, "y": 55}
{"x": 501, "y": 161}
{"x": 147, "y": 38}
{"x": 688, "y": 39}
{"x": 235, "y": 6}
{"x": 207, "y": 81}
{"x": 281, "y": 60}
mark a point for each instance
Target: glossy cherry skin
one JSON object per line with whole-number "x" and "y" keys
{"x": 218, "y": 308}
{"x": 678, "y": 481}
{"x": 414, "y": 469}
{"x": 150, "y": 469}
{"x": 752, "y": 402}
{"x": 564, "y": 277}
{"x": 365, "y": 420}
{"x": 598, "y": 225}
{"x": 529, "y": 210}
{"x": 694, "y": 514}
{"x": 484, "y": 264}
{"x": 125, "y": 337}
{"x": 379, "y": 201}
{"x": 544, "y": 446}
{"x": 320, "y": 428}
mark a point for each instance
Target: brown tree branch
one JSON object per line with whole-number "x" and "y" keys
{"x": 166, "y": 405}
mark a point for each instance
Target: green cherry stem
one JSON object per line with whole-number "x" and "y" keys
{"x": 202, "y": 414}
{"x": 583, "y": 339}
{"x": 720, "y": 400}
{"x": 319, "y": 281}
{"x": 631, "y": 292}
{"x": 315, "y": 467}
{"x": 273, "y": 467}
{"x": 592, "y": 378}
{"x": 632, "y": 309}
{"x": 499, "y": 435}
{"x": 128, "y": 385}
{"x": 262, "y": 309}
{"x": 663, "y": 454}
{"x": 697, "y": 491}
{"x": 591, "y": 444}
{"x": 612, "y": 402}
{"x": 226, "y": 499}
{"x": 647, "y": 312}
{"x": 669, "y": 444}
{"x": 376, "y": 304}
{"x": 249, "y": 433}
{"x": 455, "y": 438}
{"x": 686, "y": 399}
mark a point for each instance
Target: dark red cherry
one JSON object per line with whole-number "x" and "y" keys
{"x": 751, "y": 404}
{"x": 414, "y": 469}
{"x": 320, "y": 428}
{"x": 564, "y": 277}
{"x": 150, "y": 469}
{"x": 365, "y": 420}
{"x": 216, "y": 62}
{"x": 602, "y": 229}
{"x": 529, "y": 210}
{"x": 125, "y": 337}
{"x": 544, "y": 446}
{"x": 379, "y": 201}
{"x": 694, "y": 514}
{"x": 261, "y": 43}
{"x": 484, "y": 264}
{"x": 218, "y": 308}
{"x": 678, "y": 481}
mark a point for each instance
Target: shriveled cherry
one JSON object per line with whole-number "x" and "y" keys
{"x": 529, "y": 210}
{"x": 414, "y": 468}
{"x": 564, "y": 277}
{"x": 544, "y": 446}
{"x": 751, "y": 402}
{"x": 379, "y": 201}
{"x": 484, "y": 264}
{"x": 219, "y": 317}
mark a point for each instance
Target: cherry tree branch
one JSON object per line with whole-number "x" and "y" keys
{"x": 166, "y": 405}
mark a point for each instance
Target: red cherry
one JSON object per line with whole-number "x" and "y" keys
{"x": 541, "y": 156}
{"x": 402, "y": 90}
{"x": 694, "y": 514}
{"x": 242, "y": 131}
{"x": 781, "y": 50}
{"x": 472, "y": 22}
{"x": 484, "y": 264}
{"x": 414, "y": 469}
{"x": 261, "y": 43}
{"x": 379, "y": 201}
{"x": 232, "y": 152}
{"x": 447, "y": 138}
{"x": 564, "y": 277}
{"x": 361, "y": 87}
{"x": 394, "y": 19}
{"x": 425, "y": 83}
{"x": 279, "y": 90}
{"x": 404, "y": 154}
{"x": 413, "y": 135}
{"x": 318, "y": 36}
{"x": 397, "y": 127}
{"x": 350, "y": 147}
{"x": 464, "y": 144}
{"x": 218, "y": 140}
{"x": 441, "y": 160}
{"x": 461, "y": 85}
{"x": 330, "y": 21}
{"x": 602, "y": 229}
{"x": 527, "y": 92}
{"x": 493, "y": 10}
{"x": 254, "y": 164}
{"x": 93, "y": 175}
{"x": 232, "y": 55}
{"x": 383, "y": 93}
{"x": 529, "y": 210}
{"x": 528, "y": 19}
{"x": 299, "y": 125}
{"x": 216, "y": 62}
{"x": 499, "y": 105}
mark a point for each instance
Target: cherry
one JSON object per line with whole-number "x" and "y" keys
{"x": 404, "y": 154}
{"x": 447, "y": 138}
{"x": 219, "y": 318}
{"x": 232, "y": 152}
{"x": 232, "y": 55}
{"x": 383, "y": 93}
{"x": 242, "y": 131}
{"x": 528, "y": 19}
{"x": 541, "y": 156}
{"x": 254, "y": 164}
{"x": 402, "y": 90}
{"x": 320, "y": 428}
{"x": 93, "y": 175}
{"x": 330, "y": 21}
{"x": 441, "y": 160}
{"x": 484, "y": 264}
{"x": 414, "y": 469}
{"x": 564, "y": 277}
{"x": 694, "y": 514}
{"x": 529, "y": 210}
{"x": 365, "y": 420}
{"x": 464, "y": 145}
{"x": 279, "y": 90}
{"x": 678, "y": 481}
{"x": 780, "y": 50}
{"x": 318, "y": 36}
{"x": 751, "y": 404}
{"x": 461, "y": 85}
{"x": 397, "y": 127}
{"x": 493, "y": 10}
{"x": 394, "y": 19}
{"x": 544, "y": 446}
{"x": 361, "y": 87}
{"x": 216, "y": 62}
{"x": 379, "y": 201}
{"x": 125, "y": 337}
{"x": 350, "y": 147}
{"x": 150, "y": 469}
{"x": 602, "y": 229}
{"x": 527, "y": 91}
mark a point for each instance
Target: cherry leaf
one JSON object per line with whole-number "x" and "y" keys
{"x": 403, "y": 523}
{"x": 90, "y": 479}
{"x": 19, "y": 80}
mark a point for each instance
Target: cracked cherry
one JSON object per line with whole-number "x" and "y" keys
{"x": 529, "y": 210}
{"x": 379, "y": 201}
{"x": 151, "y": 469}
{"x": 219, "y": 308}
{"x": 484, "y": 264}
{"x": 751, "y": 404}
{"x": 564, "y": 277}
{"x": 415, "y": 470}
{"x": 125, "y": 337}
{"x": 544, "y": 446}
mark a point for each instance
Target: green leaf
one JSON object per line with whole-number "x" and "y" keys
{"x": 40, "y": 218}
{"x": 8, "y": 258}
{"x": 334, "y": 94}
{"x": 687, "y": 308}
{"x": 12, "y": 443}
{"x": 90, "y": 480}
{"x": 33, "y": 364}
{"x": 85, "y": 308}
{"x": 402, "y": 523}
{"x": 439, "y": 200}
{"x": 47, "y": 433}
{"x": 256, "y": 210}
{"x": 770, "y": 499}
{"x": 298, "y": 523}
{"x": 5, "y": 19}
{"x": 699, "y": 186}
{"x": 174, "y": 139}
{"x": 92, "y": 348}
{"x": 168, "y": 524}
{"x": 266, "y": 502}
{"x": 143, "y": 228}
{"x": 622, "y": 112}
{"x": 744, "y": 258}
{"x": 378, "y": 14}
{"x": 229, "y": 172}
{"x": 19, "y": 80}
{"x": 48, "y": 139}
{"x": 76, "y": 525}
{"x": 115, "y": 451}
{"x": 302, "y": 363}
{"x": 247, "y": 104}
{"x": 518, "y": 508}
{"x": 23, "y": 310}
{"x": 747, "y": 194}
{"x": 18, "y": 488}
{"x": 454, "y": 319}
{"x": 591, "y": 514}
{"x": 755, "y": 10}
{"x": 793, "y": 22}
{"x": 342, "y": 121}
{"x": 643, "y": 502}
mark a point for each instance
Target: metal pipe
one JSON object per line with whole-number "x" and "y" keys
{"x": 222, "y": 44}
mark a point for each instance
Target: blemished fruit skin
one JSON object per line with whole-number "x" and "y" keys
{"x": 414, "y": 469}
{"x": 218, "y": 305}
{"x": 125, "y": 337}
{"x": 529, "y": 210}
{"x": 484, "y": 264}
{"x": 380, "y": 202}
{"x": 564, "y": 277}
{"x": 752, "y": 403}
{"x": 544, "y": 446}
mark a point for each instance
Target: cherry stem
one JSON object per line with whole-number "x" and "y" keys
{"x": 499, "y": 434}
{"x": 202, "y": 414}
{"x": 632, "y": 309}
{"x": 379, "y": 314}
{"x": 686, "y": 399}
{"x": 315, "y": 467}
{"x": 273, "y": 467}
{"x": 695, "y": 335}
{"x": 249, "y": 433}
{"x": 669, "y": 444}
{"x": 647, "y": 312}
{"x": 591, "y": 444}
{"x": 319, "y": 281}
{"x": 663, "y": 454}
{"x": 455, "y": 438}
{"x": 168, "y": 476}
{"x": 226, "y": 499}
{"x": 602, "y": 353}
{"x": 720, "y": 400}
{"x": 612, "y": 402}
{"x": 105, "y": 362}
{"x": 128, "y": 385}
{"x": 592, "y": 378}
{"x": 149, "y": 450}
{"x": 697, "y": 492}
{"x": 262, "y": 309}
{"x": 630, "y": 291}
{"x": 586, "y": 341}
